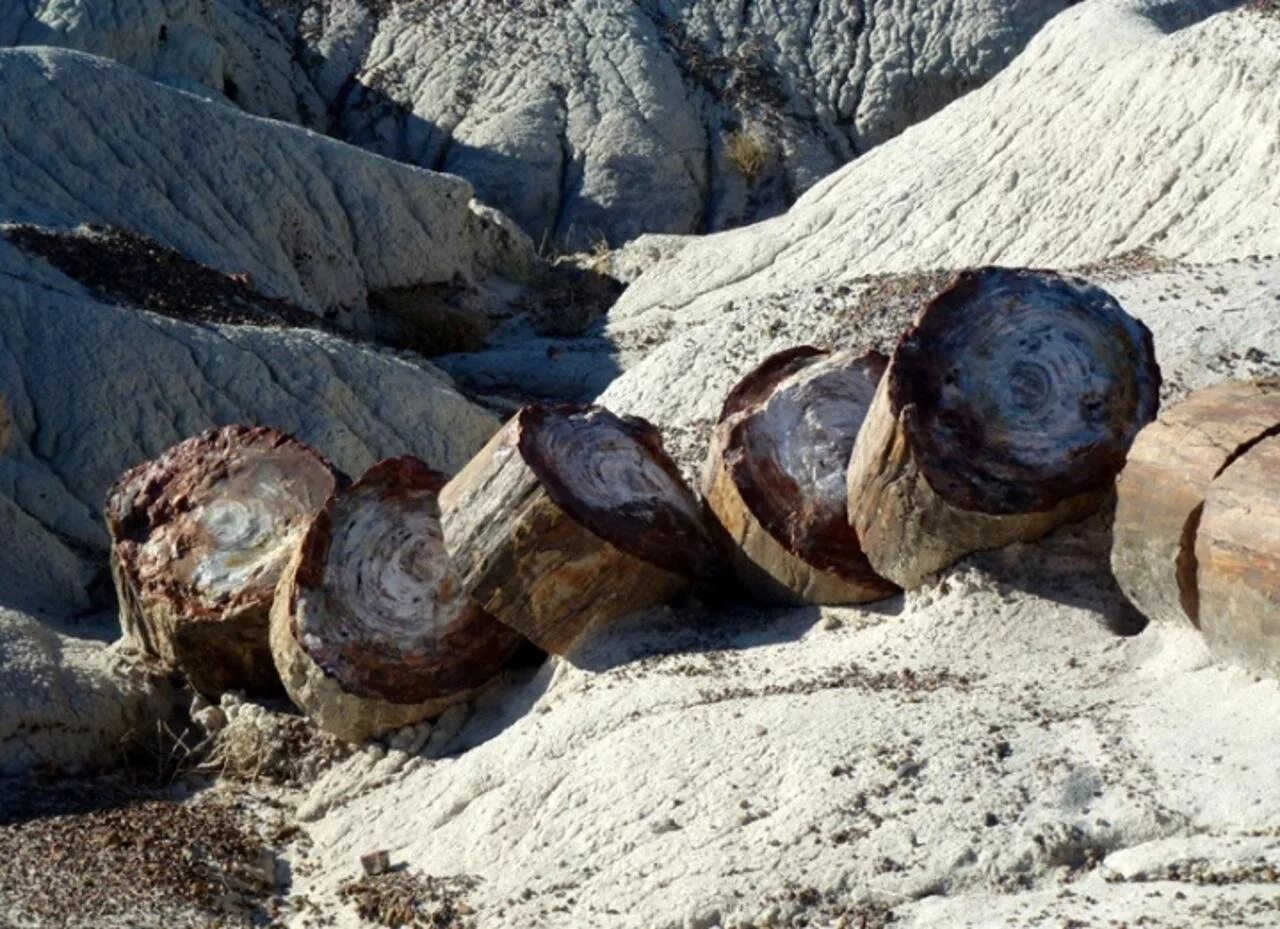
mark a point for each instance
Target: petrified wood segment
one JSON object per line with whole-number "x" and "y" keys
{"x": 199, "y": 538}
{"x": 775, "y": 476}
{"x": 572, "y": 516}
{"x": 1006, "y": 410}
{"x": 1238, "y": 555}
{"x": 371, "y": 629}
{"x": 1160, "y": 493}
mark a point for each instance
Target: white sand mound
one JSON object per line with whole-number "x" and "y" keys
{"x": 69, "y": 703}
{"x": 1124, "y": 124}
{"x": 306, "y": 218}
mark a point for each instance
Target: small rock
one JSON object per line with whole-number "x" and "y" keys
{"x": 375, "y": 863}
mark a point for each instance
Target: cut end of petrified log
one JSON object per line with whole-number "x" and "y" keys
{"x": 1024, "y": 388}
{"x": 1238, "y": 555}
{"x": 776, "y": 475}
{"x": 200, "y": 536}
{"x": 611, "y": 475}
{"x": 375, "y": 606}
{"x": 569, "y": 518}
{"x": 1161, "y": 491}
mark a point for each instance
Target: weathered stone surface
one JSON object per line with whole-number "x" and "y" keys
{"x": 371, "y": 629}
{"x": 1237, "y": 551}
{"x": 1006, "y": 410}
{"x": 1031, "y": 170}
{"x": 200, "y": 536}
{"x": 68, "y": 703}
{"x": 775, "y": 476}
{"x": 303, "y": 217}
{"x": 569, "y": 517}
{"x": 582, "y": 120}
{"x": 1160, "y": 494}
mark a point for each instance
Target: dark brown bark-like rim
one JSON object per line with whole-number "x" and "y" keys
{"x": 209, "y": 525}
{"x": 796, "y": 417}
{"x": 612, "y": 475}
{"x": 377, "y": 603}
{"x": 1025, "y": 388}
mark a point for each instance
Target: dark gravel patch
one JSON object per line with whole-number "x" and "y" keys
{"x": 105, "y": 853}
{"x": 121, "y": 266}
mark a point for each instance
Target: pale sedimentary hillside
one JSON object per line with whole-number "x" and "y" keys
{"x": 582, "y": 120}
{"x": 1124, "y": 124}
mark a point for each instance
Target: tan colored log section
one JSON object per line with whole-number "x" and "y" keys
{"x": 199, "y": 538}
{"x": 1006, "y": 411}
{"x": 1160, "y": 493}
{"x": 1238, "y": 551}
{"x": 572, "y": 516}
{"x": 775, "y": 476}
{"x": 371, "y": 629}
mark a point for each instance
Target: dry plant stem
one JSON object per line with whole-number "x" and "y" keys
{"x": 775, "y": 476}
{"x": 199, "y": 538}
{"x": 572, "y": 516}
{"x": 1006, "y": 411}
{"x": 1160, "y": 494}
{"x": 371, "y": 629}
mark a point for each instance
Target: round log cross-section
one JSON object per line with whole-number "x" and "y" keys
{"x": 572, "y": 516}
{"x": 371, "y": 629}
{"x": 1006, "y": 410}
{"x": 775, "y": 476}
{"x": 1238, "y": 555}
{"x": 199, "y": 538}
{"x": 1160, "y": 493}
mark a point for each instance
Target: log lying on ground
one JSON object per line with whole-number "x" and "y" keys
{"x": 1160, "y": 493}
{"x": 1007, "y": 410}
{"x": 371, "y": 629}
{"x": 572, "y": 516}
{"x": 1238, "y": 554}
{"x": 775, "y": 476}
{"x": 199, "y": 538}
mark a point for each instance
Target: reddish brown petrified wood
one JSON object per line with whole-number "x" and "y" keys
{"x": 199, "y": 538}
{"x": 1160, "y": 493}
{"x": 775, "y": 476}
{"x": 1238, "y": 555}
{"x": 371, "y": 629}
{"x": 1007, "y": 410}
{"x": 572, "y": 516}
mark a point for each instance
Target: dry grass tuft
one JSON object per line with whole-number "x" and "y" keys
{"x": 749, "y": 152}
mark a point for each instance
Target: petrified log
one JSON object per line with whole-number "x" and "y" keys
{"x": 199, "y": 538}
{"x": 775, "y": 476}
{"x": 572, "y": 515}
{"x": 1006, "y": 411}
{"x": 1160, "y": 493}
{"x": 1238, "y": 555}
{"x": 371, "y": 629}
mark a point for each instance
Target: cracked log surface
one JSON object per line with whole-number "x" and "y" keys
{"x": 200, "y": 536}
{"x": 775, "y": 476}
{"x": 1160, "y": 494}
{"x": 1238, "y": 556}
{"x": 1006, "y": 410}
{"x": 571, "y": 516}
{"x": 371, "y": 629}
